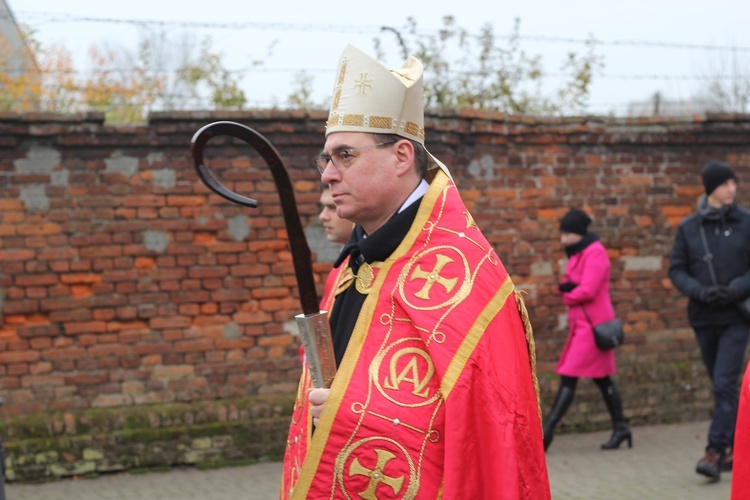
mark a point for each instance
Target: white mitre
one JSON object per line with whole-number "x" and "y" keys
{"x": 368, "y": 97}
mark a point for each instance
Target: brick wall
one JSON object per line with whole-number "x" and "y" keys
{"x": 126, "y": 284}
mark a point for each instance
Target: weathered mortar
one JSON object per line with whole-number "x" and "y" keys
{"x": 127, "y": 286}
{"x": 73, "y": 443}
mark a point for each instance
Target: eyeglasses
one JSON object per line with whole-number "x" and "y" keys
{"x": 343, "y": 159}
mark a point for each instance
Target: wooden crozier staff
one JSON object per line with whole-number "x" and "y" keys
{"x": 312, "y": 323}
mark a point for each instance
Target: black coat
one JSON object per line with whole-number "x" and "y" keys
{"x": 729, "y": 242}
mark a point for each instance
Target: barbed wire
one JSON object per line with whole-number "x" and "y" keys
{"x": 47, "y": 17}
{"x": 364, "y": 29}
{"x": 260, "y": 69}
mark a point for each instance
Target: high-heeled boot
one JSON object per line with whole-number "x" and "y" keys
{"x": 620, "y": 433}
{"x": 559, "y": 407}
{"x": 620, "y": 429}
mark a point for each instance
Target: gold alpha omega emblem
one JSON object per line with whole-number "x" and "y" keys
{"x": 410, "y": 373}
{"x": 403, "y": 373}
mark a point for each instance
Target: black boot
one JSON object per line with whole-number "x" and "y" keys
{"x": 620, "y": 433}
{"x": 621, "y": 430}
{"x": 562, "y": 403}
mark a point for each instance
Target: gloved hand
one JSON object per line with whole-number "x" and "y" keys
{"x": 726, "y": 296}
{"x": 710, "y": 294}
{"x": 566, "y": 286}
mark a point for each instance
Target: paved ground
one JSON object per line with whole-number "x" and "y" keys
{"x": 660, "y": 465}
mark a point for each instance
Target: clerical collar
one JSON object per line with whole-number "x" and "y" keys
{"x": 420, "y": 191}
{"x": 380, "y": 244}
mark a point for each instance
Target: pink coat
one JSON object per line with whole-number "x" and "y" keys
{"x": 580, "y": 356}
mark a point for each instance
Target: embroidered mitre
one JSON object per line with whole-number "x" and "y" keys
{"x": 368, "y": 97}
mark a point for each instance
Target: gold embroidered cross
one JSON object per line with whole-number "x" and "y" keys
{"x": 376, "y": 475}
{"x": 433, "y": 277}
{"x": 363, "y": 83}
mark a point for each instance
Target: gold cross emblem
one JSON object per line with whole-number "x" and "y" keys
{"x": 376, "y": 475}
{"x": 433, "y": 277}
{"x": 363, "y": 83}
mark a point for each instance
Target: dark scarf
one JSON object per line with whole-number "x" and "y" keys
{"x": 709, "y": 213}
{"x": 587, "y": 240}
{"x": 717, "y": 217}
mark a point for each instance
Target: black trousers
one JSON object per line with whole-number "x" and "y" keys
{"x": 723, "y": 353}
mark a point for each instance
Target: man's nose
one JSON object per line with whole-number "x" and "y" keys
{"x": 330, "y": 173}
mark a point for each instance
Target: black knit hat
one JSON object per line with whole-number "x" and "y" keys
{"x": 575, "y": 221}
{"x": 714, "y": 174}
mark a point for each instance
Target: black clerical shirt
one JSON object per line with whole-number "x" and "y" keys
{"x": 378, "y": 246}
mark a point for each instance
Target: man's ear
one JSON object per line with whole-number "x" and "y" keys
{"x": 405, "y": 157}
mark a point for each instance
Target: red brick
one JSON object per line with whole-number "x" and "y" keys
{"x": 42, "y": 380}
{"x": 40, "y": 367}
{"x": 54, "y": 354}
{"x": 199, "y": 272}
{"x": 186, "y": 250}
{"x": 56, "y": 254}
{"x": 40, "y": 343}
{"x": 241, "y": 343}
{"x": 118, "y": 276}
{"x": 10, "y": 383}
{"x": 87, "y": 379}
{"x": 100, "y": 252}
{"x": 193, "y": 345}
{"x": 36, "y": 331}
{"x": 143, "y": 201}
{"x": 247, "y": 318}
{"x": 248, "y": 270}
{"x": 161, "y": 323}
{"x": 16, "y": 255}
{"x": 15, "y": 370}
{"x": 185, "y": 201}
{"x": 38, "y": 229}
{"x": 172, "y": 372}
{"x": 268, "y": 293}
{"x": 36, "y": 292}
{"x": 80, "y": 278}
{"x": 64, "y": 316}
{"x": 100, "y": 351}
{"x": 36, "y": 279}
{"x": 85, "y": 327}
{"x": 279, "y": 340}
{"x": 8, "y": 205}
{"x": 149, "y": 349}
{"x": 218, "y": 248}
{"x": 10, "y": 307}
{"x": 190, "y": 297}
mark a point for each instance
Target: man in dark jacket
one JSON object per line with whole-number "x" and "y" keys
{"x": 715, "y": 279}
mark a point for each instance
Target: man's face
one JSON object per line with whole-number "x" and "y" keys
{"x": 363, "y": 192}
{"x": 724, "y": 194}
{"x": 337, "y": 229}
{"x": 569, "y": 238}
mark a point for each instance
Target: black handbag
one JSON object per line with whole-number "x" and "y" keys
{"x": 607, "y": 335}
{"x": 743, "y": 306}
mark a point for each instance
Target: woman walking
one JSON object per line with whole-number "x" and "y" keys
{"x": 585, "y": 291}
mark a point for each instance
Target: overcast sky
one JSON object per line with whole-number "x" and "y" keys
{"x": 646, "y": 46}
